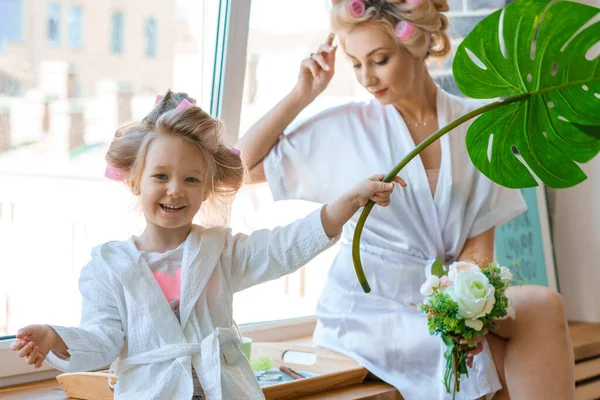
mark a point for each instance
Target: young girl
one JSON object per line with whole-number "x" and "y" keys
{"x": 175, "y": 340}
{"x": 448, "y": 211}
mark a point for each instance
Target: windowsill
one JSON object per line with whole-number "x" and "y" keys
{"x": 280, "y": 331}
{"x": 584, "y": 337}
{"x": 14, "y": 371}
{"x": 289, "y": 331}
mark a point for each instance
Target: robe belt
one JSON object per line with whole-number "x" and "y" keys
{"x": 222, "y": 340}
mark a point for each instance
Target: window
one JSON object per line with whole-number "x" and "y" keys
{"x": 11, "y": 20}
{"x": 117, "y": 33}
{"x": 53, "y": 24}
{"x": 75, "y": 27}
{"x": 60, "y": 202}
{"x": 276, "y": 47}
{"x": 150, "y": 37}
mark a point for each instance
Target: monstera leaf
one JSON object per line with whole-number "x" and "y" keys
{"x": 540, "y": 58}
{"x": 545, "y": 54}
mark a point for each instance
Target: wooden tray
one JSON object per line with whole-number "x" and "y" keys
{"x": 86, "y": 385}
{"x": 332, "y": 370}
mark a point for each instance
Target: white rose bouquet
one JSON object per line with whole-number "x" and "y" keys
{"x": 463, "y": 302}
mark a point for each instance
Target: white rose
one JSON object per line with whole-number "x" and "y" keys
{"x": 474, "y": 295}
{"x": 431, "y": 283}
{"x": 505, "y": 275}
{"x": 457, "y": 266}
{"x": 474, "y": 323}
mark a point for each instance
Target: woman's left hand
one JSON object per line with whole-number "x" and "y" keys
{"x": 473, "y": 347}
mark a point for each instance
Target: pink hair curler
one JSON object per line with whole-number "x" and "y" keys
{"x": 114, "y": 174}
{"x": 185, "y": 103}
{"x": 404, "y": 30}
{"x": 357, "y": 8}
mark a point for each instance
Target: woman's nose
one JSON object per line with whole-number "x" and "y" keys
{"x": 368, "y": 79}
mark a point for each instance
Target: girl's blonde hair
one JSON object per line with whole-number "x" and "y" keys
{"x": 429, "y": 37}
{"x": 225, "y": 171}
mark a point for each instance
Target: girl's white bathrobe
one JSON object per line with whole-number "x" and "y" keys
{"x": 331, "y": 151}
{"x": 126, "y": 315}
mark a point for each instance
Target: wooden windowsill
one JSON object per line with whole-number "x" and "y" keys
{"x": 586, "y": 345}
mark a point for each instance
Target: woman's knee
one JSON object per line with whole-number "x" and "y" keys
{"x": 541, "y": 304}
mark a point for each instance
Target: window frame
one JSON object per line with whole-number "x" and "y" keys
{"x": 230, "y": 54}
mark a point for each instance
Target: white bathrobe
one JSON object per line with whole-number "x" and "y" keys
{"x": 126, "y": 315}
{"x": 333, "y": 150}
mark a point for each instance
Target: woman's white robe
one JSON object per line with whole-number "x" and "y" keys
{"x": 332, "y": 151}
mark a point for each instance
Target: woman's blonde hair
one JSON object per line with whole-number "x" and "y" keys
{"x": 429, "y": 38}
{"x": 225, "y": 171}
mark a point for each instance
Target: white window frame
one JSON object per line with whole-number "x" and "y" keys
{"x": 230, "y": 54}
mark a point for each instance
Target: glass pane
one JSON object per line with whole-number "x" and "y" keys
{"x": 151, "y": 34}
{"x": 11, "y": 28}
{"x": 75, "y": 27}
{"x": 53, "y": 24}
{"x": 276, "y": 47}
{"x": 59, "y": 109}
{"x": 117, "y": 33}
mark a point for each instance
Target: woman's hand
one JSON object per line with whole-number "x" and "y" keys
{"x": 317, "y": 70}
{"x": 473, "y": 347}
{"x": 34, "y": 342}
{"x": 315, "y": 74}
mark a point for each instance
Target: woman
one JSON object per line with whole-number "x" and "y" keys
{"x": 448, "y": 210}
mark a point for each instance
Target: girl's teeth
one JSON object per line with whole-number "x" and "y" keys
{"x": 172, "y": 208}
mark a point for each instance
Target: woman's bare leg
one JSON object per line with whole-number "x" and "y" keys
{"x": 498, "y": 348}
{"x": 538, "y": 361}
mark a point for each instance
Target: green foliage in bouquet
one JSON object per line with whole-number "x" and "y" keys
{"x": 537, "y": 57}
{"x": 442, "y": 311}
{"x": 443, "y": 319}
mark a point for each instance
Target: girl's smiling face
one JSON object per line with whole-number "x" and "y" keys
{"x": 172, "y": 186}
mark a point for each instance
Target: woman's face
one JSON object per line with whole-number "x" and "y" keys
{"x": 385, "y": 69}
